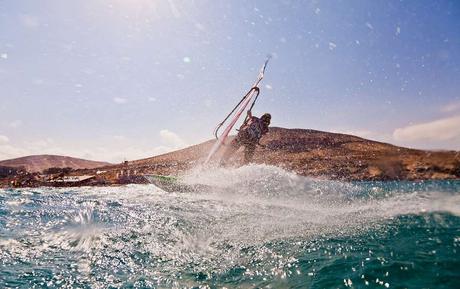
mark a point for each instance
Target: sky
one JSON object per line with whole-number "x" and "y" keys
{"x": 127, "y": 79}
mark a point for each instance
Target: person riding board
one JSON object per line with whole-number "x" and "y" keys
{"x": 249, "y": 136}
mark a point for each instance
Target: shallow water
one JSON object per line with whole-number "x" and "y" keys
{"x": 260, "y": 226}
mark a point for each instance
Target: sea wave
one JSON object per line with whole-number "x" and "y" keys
{"x": 253, "y": 226}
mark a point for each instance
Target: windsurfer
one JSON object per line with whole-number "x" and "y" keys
{"x": 249, "y": 136}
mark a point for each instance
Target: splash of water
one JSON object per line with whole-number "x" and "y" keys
{"x": 254, "y": 224}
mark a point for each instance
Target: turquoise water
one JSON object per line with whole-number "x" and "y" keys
{"x": 258, "y": 227}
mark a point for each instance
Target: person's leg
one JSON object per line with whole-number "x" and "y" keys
{"x": 249, "y": 150}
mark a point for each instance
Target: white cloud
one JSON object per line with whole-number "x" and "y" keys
{"x": 438, "y": 130}
{"x": 152, "y": 99}
{"x": 451, "y": 107}
{"x": 4, "y": 56}
{"x": 8, "y": 151}
{"x": 4, "y": 139}
{"x": 49, "y": 146}
{"x": 35, "y": 147}
{"x": 115, "y": 149}
{"x": 171, "y": 139}
{"x": 120, "y": 100}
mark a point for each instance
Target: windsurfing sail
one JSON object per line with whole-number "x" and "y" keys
{"x": 236, "y": 112}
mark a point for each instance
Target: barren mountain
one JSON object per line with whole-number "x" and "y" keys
{"x": 305, "y": 152}
{"x": 318, "y": 154}
{"x": 38, "y": 163}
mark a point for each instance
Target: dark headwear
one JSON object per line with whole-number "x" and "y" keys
{"x": 266, "y": 117}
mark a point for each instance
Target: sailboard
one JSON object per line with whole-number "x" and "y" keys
{"x": 235, "y": 114}
{"x": 173, "y": 184}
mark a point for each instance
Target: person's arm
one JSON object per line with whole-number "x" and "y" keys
{"x": 249, "y": 114}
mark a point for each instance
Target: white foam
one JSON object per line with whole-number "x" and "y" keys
{"x": 247, "y": 207}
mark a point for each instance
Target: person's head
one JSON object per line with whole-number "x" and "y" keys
{"x": 266, "y": 118}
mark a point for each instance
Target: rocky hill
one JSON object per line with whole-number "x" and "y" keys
{"x": 317, "y": 154}
{"x": 38, "y": 163}
{"x": 306, "y": 152}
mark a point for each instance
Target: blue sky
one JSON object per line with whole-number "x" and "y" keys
{"x": 126, "y": 79}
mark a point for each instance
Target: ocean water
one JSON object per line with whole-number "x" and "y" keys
{"x": 257, "y": 227}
